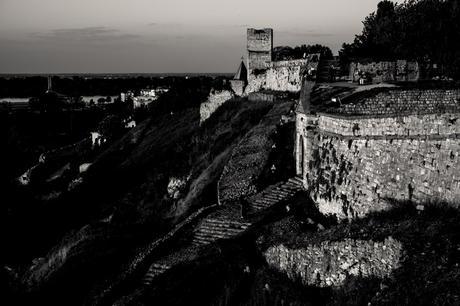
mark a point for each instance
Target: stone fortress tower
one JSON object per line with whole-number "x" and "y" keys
{"x": 265, "y": 74}
{"x": 259, "y": 48}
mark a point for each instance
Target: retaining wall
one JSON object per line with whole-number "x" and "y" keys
{"x": 330, "y": 263}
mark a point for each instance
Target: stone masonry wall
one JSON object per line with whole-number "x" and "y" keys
{"x": 259, "y": 46}
{"x": 279, "y": 76}
{"x": 356, "y": 163}
{"x": 385, "y": 71}
{"x": 330, "y": 263}
{"x": 352, "y": 176}
{"x": 260, "y": 40}
{"x": 214, "y": 101}
{"x": 404, "y": 102}
{"x": 412, "y": 125}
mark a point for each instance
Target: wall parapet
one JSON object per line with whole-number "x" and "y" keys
{"x": 288, "y": 63}
{"x": 391, "y": 102}
{"x": 412, "y": 125}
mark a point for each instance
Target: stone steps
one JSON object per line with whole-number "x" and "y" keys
{"x": 155, "y": 269}
{"x": 211, "y": 230}
{"x": 226, "y": 223}
{"x": 275, "y": 194}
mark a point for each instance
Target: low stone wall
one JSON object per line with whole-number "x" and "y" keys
{"x": 330, "y": 263}
{"x": 402, "y": 102}
{"x": 412, "y": 125}
{"x": 261, "y": 96}
{"x": 288, "y": 63}
{"x": 386, "y": 71}
{"x": 215, "y": 100}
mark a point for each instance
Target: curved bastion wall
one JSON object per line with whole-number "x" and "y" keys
{"x": 355, "y": 164}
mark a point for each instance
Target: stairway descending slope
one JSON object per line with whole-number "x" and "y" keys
{"x": 155, "y": 270}
{"x": 212, "y": 229}
{"x": 225, "y": 223}
{"x": 274, "y": 194}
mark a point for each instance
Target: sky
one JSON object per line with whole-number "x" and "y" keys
{"x": 160, "y": 36}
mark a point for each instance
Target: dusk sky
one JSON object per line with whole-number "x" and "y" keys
{"x": 65, "y": 36}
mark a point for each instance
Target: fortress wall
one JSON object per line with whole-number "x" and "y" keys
{"x": 356, "y": 163}
{"x": 352, "y": 176}
{"x": 289, "y": 63}
{"x": 412, "y": 125}
{"x": 285, "y": 76}
{"x": 258, "y": 60}
{"x": 386, "y": 71}
{"x": 330, "y": 263}
{"x": 404, "y": 102}
{"x": 214, "y": 101}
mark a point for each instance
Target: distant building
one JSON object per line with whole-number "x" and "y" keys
{"x": 154, "y": 93}
{"x": 148, "y": 96}
{"x": 14, "y": 100}
{"x": 98, "y": 99}
{"x": 124, "y": 96}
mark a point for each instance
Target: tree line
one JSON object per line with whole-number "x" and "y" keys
{"x": 427, "y": 31}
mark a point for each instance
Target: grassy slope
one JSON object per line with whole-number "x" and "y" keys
{"x": 129, "y": 181}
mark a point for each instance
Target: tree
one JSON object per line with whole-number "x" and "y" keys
{"x": 422, "y": 30}
{"x": 289, "y": 53}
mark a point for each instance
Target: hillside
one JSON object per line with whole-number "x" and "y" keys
{"x": 135, "y": 190}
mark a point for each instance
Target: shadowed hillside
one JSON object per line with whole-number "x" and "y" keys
{"x": 135, "y": 190}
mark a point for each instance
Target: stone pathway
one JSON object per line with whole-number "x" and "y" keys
{"x": 211, "y": 230}
{"x": 274, "y": 194}
{"x": 225, "y": 223}
{"x": 155, "y": 270}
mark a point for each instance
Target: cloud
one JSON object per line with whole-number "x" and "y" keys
{"x": 87, "y": 34}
